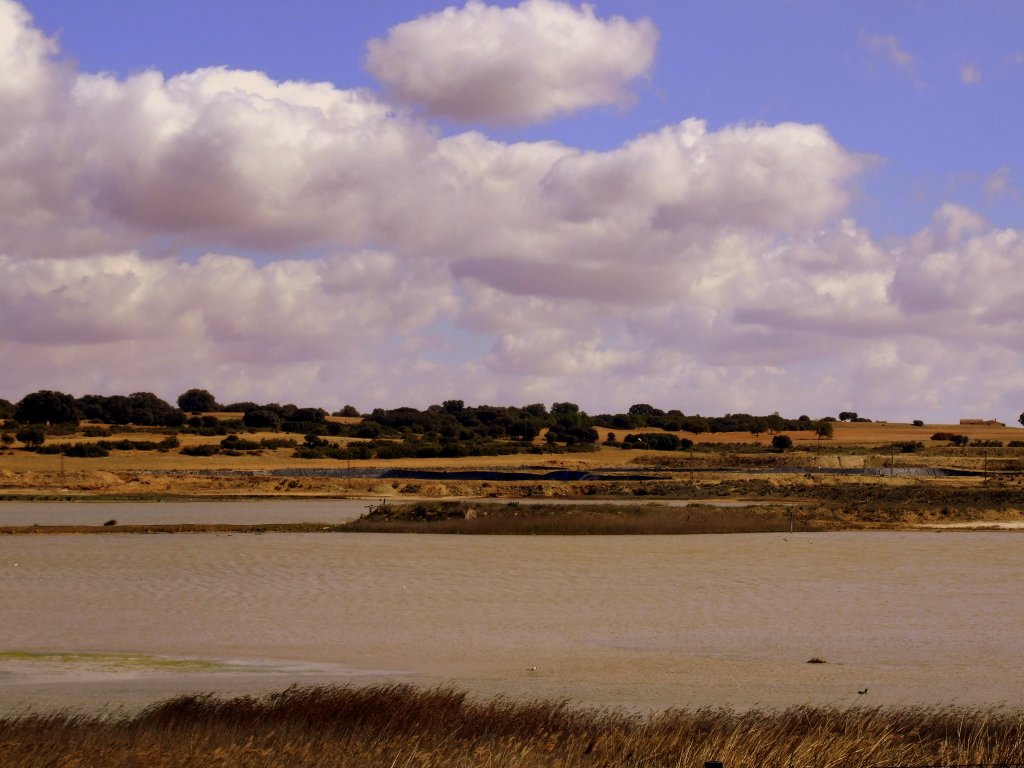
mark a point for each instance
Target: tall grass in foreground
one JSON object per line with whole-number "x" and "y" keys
{"x": 398, "y": 725}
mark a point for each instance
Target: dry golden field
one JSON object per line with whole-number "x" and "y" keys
{"x": 845, "y": 436}
{"x": 137, "y": 474}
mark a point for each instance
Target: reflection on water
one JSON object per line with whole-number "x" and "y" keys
{"x": 639, "y": 621}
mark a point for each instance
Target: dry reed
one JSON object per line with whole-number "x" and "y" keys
{"x": 398, "y": 725}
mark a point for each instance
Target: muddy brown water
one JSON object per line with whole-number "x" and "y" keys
{"x": 642, "y": 622}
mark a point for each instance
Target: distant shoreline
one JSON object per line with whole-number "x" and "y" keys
{"x": 563, "y": 517}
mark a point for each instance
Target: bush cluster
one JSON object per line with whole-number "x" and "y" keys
{"x": 102, "y": 448}
{"x": 655, "y": 441}
{"x": 644, "y": 415}
{"x": 233, "y": 445}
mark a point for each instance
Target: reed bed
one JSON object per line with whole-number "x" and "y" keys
{"x": 577, "y": 519}
{"x": 399, "y": 725}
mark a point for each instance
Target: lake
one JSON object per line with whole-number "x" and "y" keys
{"x": 250, "y": 512}
{"x": 643, "y": 622}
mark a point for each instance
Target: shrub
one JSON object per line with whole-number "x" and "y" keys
{"x": 782, "y": 442}
{"x": 330, "y": 451}
{"x": 304, "y": 427}
{"x": 235, "y": 443}
{"x": 86, "y": 451}
{"x": 655, "y": 442}
{"x": 262, "y": 418}
{"x": 205, "y": 449}
{"x": 918, "y": 423}
{"x": 32, "y": 436}
{"x": 272, "y": 443}
{"x": 909, "y": 446}
{"x": 570, "y": 435}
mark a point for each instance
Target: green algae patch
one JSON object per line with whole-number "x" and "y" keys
{"x": 109, "y": 662}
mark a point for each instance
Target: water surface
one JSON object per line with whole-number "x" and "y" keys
{"x": 242, "y": 512}
{"x": 250, "y": 512}
{"x": 636, "y": 621}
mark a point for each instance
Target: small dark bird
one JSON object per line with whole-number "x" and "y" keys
{"x": 861, "y": 693}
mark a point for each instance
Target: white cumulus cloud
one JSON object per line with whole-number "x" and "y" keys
{"x": 531, "y": 62}
{"x": 306, "y": 242}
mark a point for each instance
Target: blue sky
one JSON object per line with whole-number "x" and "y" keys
{"x": 918, "y": 171}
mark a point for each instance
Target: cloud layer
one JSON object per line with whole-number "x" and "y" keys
{"x": 299, "y": 241}
{"x": 528, "y": 63}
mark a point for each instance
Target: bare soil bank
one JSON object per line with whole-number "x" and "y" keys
{"x": 786, "y": 506}
{"x": 402, "y": 725}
